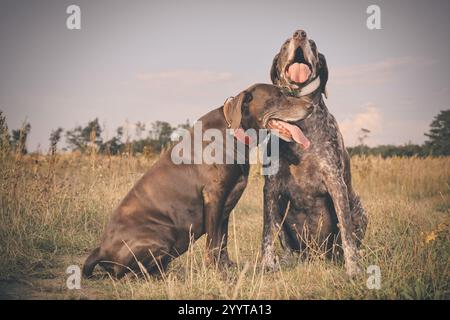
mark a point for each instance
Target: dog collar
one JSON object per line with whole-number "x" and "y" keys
{"x": 308, "y": 89}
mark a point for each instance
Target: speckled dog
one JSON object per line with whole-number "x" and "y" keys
{"x": 311, "y": 198}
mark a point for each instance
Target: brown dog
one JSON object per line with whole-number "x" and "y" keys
{"x": 171, "y": 205}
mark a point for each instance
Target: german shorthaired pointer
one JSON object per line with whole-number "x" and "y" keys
{"x": 311, "y": 197}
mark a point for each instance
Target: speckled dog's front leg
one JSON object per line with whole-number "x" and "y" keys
{"x": 338, "y": 192}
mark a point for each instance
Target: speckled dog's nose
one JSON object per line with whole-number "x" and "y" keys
{"x": 299, "y": 34}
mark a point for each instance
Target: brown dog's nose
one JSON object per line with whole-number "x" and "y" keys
{"x": 299, "y": 34}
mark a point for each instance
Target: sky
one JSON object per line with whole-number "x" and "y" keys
{"x": 176, "y": 60}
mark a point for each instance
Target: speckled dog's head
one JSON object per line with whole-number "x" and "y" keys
{"x": 299, "y": 63}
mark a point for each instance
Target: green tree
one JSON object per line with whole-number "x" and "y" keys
{"x": 161, "y": 132}
{"x": 114, "y": 145}
{"x": 19, "y": 138}
{"x": 438, "y": 142}
{"x": 81, "y": 138}
{"x": 55, "y": 137}
{"x": 4, "y": 134}
{"x": 140, "y": 128}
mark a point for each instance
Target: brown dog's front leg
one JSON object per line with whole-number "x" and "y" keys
{"x": 216, "y": 238}
{"x": 339, "y": 193}
{"x": 224, "y": 259}
{"x": 230, "y": 203}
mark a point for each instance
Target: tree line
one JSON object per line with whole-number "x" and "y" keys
{"x": 153, "y": 139}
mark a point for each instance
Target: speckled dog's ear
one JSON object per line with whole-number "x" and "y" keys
{"x": 323, "y": 74}
{"x": 232, "y": 110}
{"x": 274, "y": 76}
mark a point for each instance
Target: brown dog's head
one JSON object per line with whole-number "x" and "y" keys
{"x": 299, "y": 65}
{"x": 264, "y": 106}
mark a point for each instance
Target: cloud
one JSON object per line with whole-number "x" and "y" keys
{"x": 379, "y": 72}
{"x": 185, "y": 77}
{"x": 370, "y": 119}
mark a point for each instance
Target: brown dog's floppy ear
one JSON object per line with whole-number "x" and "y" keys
{"x": 274, "y": 76}
{"x": 323, "y": 74}
{"x": 232, "y": 110}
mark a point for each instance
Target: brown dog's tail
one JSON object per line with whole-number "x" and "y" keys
{"x": 91, "y": 262}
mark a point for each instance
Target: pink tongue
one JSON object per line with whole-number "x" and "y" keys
{"x": 298, "y": 72}
{"x": 297, "y": 134}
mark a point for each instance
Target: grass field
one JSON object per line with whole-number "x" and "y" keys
{"x": 54, "y": 208}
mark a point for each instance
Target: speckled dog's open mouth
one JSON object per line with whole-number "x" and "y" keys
{"x": 298, "y": 70}
{"x": 288, "y": 132}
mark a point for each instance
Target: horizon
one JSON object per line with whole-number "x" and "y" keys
{"x": 130, "y": 136}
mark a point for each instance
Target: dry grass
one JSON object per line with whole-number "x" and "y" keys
{"x": 53, "y": 210}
